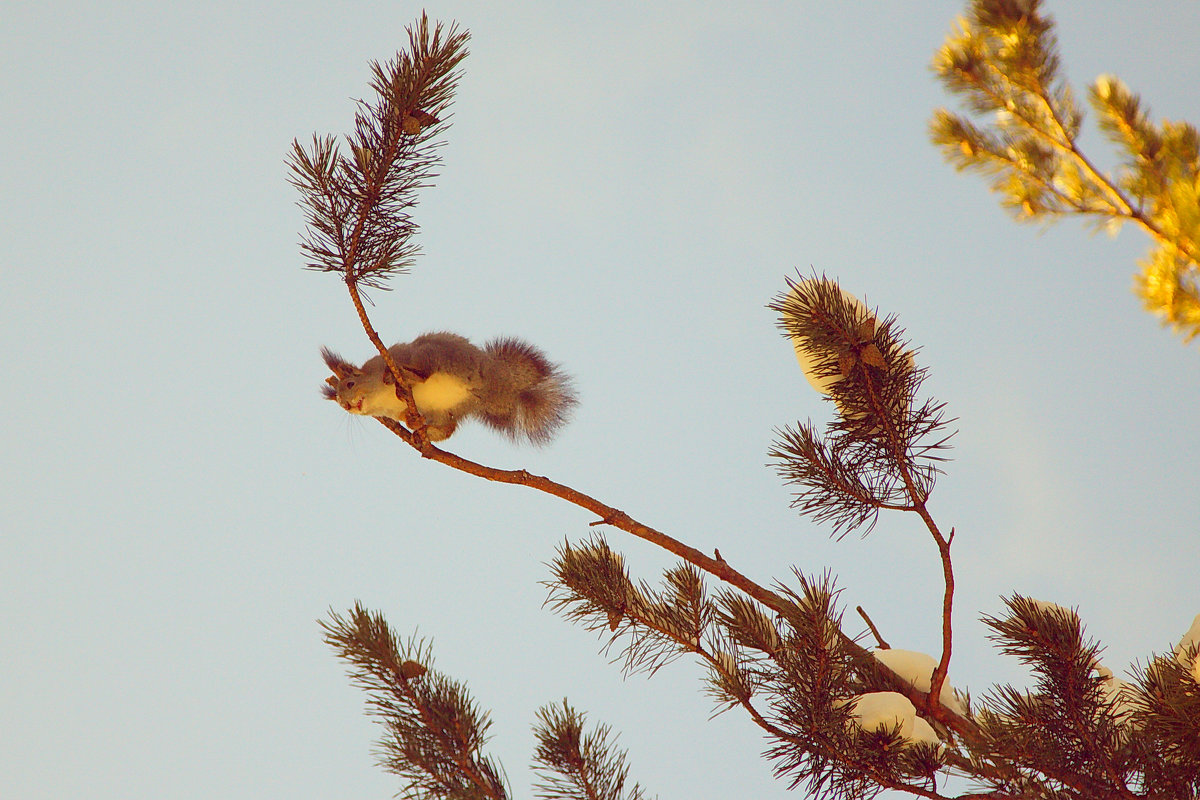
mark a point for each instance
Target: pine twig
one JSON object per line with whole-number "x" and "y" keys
{"x": 874, "y": 631}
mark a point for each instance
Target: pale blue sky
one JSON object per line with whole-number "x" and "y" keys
{"x": 627, "y": 188}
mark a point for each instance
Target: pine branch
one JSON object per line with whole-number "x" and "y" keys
{"x": 1003, "y": 63}
{"x": 792, "y": 673}
{"x": 591, "y": 587}
{"x": 815, "y": 674}
{"x": 1066, "y": 740}
{"x": 434, "y": 731}
{"x": 608, "y": 515}
{"x": 871, "y": 625}
{"x": 748, "y": 656}
{"x": 883, "y": 448}
{"x": 358, "y": 206}
{"x": 870, "y": 772}
{"x": 575, "y": 766}
{"x": 714, "y": 566}
{"x": 1064, "y": 729}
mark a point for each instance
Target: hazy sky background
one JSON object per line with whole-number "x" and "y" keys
{"x": 624, "y": 185}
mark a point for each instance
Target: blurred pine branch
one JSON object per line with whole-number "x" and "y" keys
{"x": 1022, "y": 130}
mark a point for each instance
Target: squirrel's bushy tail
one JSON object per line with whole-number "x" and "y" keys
{"x": 540, "y": 396}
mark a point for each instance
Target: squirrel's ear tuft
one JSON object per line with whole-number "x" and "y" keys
{"x": 328, "y": 391}
{"x": 337, "y": 365}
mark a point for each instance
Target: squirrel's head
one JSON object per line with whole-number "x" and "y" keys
{"x": 339, "y": 386}
{"x": 366, "y": 391}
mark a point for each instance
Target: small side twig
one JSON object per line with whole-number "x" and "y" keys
{"x": 874, "y": 631}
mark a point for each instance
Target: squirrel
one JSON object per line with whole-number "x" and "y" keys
{"x": 508, "y": 384}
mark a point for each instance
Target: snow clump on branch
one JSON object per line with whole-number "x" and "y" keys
{"x": 882, "y": 711}
{"x": 917, "y": 669}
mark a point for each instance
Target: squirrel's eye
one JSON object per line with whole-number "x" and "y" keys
{"x": 348, "y": 384}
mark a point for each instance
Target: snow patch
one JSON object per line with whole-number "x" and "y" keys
{"x": 917, "y": 669}
{"x": 1190, "y": 639}
{"x": 923, "y": 733}
{"x": 892, "y": 711}
{"x": 1184, "y": 649}
{"x": 877, "y": 711}
{"x": 807, "y": 360}
{"x": 1115, "y": 694}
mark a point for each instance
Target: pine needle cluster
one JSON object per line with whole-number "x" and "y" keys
{"x": 1080, "y": 732}
{"x": 575, "y": 765}
{"x": 591, "y": 587}
{"x": 882, "y": 449}
{"x": 357, "y": 204}
{"x": 434, "y": 731}
{"x": 1003, "y": 62}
